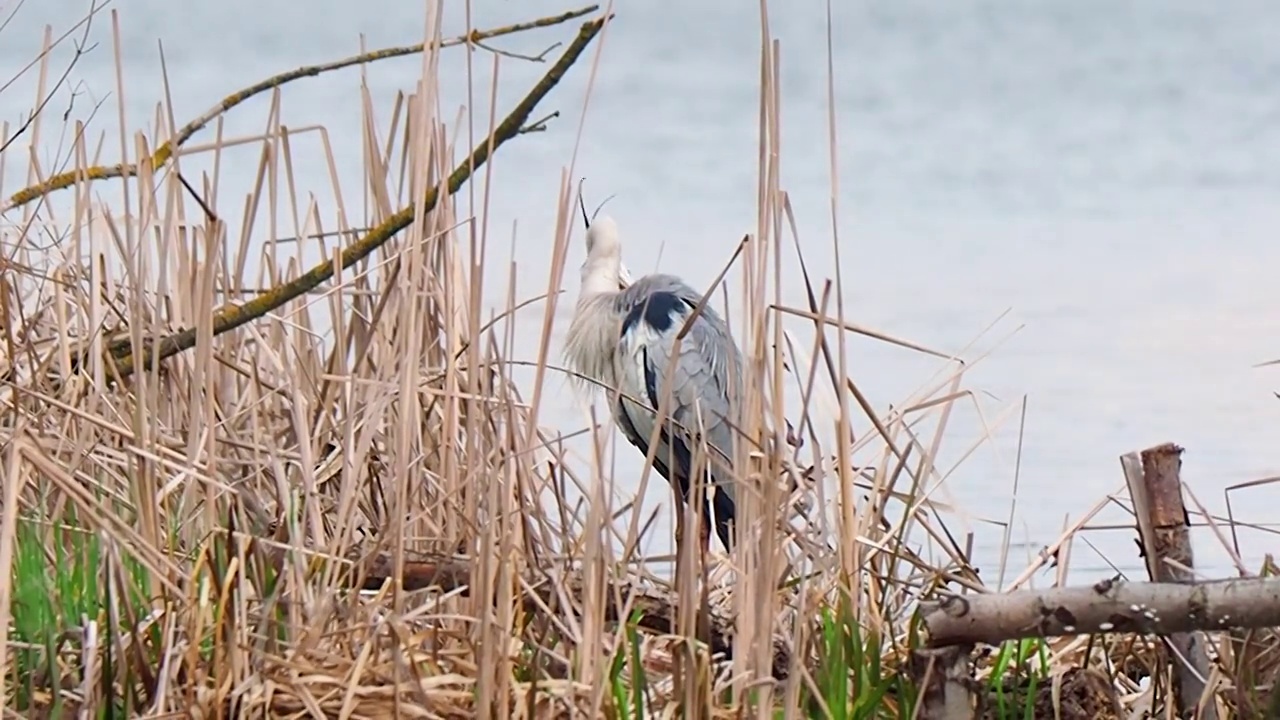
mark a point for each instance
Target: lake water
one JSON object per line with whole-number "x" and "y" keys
{"x": 1108, "y": 172}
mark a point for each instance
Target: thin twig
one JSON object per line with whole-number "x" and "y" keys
{"x": 81, "y": 50}
{"x": 540, "y": 57}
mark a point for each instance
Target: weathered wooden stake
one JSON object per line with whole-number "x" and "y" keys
{"x": 1155, "y": 485}
{"x": 944, "y": 677}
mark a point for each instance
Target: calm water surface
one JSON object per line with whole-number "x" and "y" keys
{"x": 1108, "y": 172}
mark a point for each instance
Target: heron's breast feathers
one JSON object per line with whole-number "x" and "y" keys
{"x": 591, "y": 345}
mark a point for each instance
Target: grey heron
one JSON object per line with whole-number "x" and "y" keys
{"x": 624, "y": 338}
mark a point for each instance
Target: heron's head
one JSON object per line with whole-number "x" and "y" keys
{"x": 601, "y": 270}
{"x": 603, "y": 241}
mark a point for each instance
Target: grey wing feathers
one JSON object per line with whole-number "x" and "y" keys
{"x": 703, "y": 376}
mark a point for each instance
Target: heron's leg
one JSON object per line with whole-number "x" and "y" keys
{"x": 684, "y": 499}
{"x": 679, "y": 526}
{"x": 698, "y": 494}
{"x": 726, "y": 515}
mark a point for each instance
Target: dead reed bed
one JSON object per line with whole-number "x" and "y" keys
{"x": 330, "y": 498}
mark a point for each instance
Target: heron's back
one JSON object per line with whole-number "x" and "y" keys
{"x": 704, "y": 372}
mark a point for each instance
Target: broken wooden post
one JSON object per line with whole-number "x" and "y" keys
{"x": 944, "y": 678}
{"x": 1155, "y": 485}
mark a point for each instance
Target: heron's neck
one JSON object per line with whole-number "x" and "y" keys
{"x": 599, "y": 275}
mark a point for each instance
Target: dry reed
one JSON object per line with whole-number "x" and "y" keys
{"x": 260, "y": 522}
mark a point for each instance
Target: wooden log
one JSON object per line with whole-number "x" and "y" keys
{"x": 1154, "y": 477}
{"x": 1106, "y": 606}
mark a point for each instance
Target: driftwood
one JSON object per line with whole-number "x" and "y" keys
{"x": 1154, "y": 477}
{"x": 656, "y": 608}
{"x": 1106, "y": 606}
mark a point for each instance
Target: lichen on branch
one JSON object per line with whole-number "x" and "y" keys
{"x": 121, "y": 358}
{"x": 165, "y": 152}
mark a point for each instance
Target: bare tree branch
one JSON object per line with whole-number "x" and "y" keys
{"x": 165, "y": 152}
{"x": 121, "y": 352}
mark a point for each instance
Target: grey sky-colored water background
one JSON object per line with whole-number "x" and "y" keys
{"x": 1106, "y": 172}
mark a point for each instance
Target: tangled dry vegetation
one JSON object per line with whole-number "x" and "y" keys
{"x": 331, "y": 499}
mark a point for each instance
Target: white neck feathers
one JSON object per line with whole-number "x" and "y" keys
{"x": 604, "y": 258}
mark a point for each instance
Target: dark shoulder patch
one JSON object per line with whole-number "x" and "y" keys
{"x": 659, "y": 311}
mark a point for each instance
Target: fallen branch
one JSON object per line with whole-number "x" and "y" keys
{"x": 656, "y": 610}
{"x": 165, "y": 152}
{"x": 233, "y": 316}
{"x": 1107, "y": 606}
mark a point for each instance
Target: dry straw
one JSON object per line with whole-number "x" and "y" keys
{"x": 212, "y": 511}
